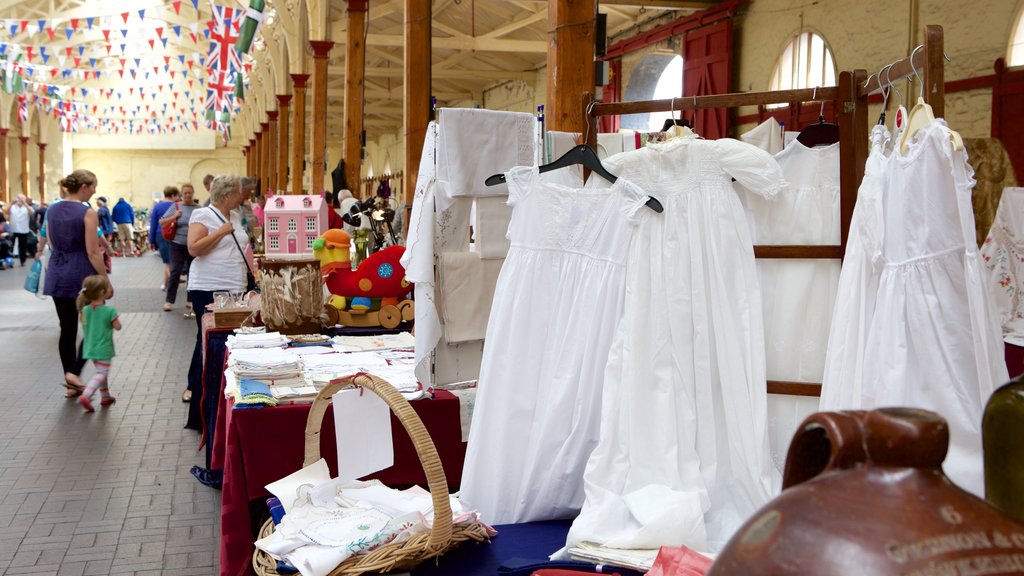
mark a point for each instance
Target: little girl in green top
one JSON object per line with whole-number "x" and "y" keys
{"x": 98, "y": 322}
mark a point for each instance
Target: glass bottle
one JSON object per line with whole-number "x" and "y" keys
{"x": 1002, "y": 431}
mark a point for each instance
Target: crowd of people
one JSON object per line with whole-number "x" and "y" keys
{"x": 208, "y": 244}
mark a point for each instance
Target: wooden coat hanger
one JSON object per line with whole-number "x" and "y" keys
{"x": 921, "y": 115}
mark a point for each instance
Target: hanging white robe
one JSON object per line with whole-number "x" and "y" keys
{"x": 797, "y": 295}
{"x": 683, "y": 456}
{"x": 557, "y": 303}
{"x": 933, "y": 340}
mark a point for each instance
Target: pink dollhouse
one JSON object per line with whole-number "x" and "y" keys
{"x": 292, "y": 223}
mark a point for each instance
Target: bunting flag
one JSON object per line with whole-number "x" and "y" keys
{"x": 252, "y": 20}
{"x": 13, "y": 83}
{"x": 223, "y": 33}
{"x": 22, "y": 109}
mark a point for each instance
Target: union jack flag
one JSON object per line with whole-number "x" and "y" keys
{"x": 224, "y": 29}
{"x": 219, "y": 94}
{"x": 22, "y": 109}
{"x": 68, "y": 121}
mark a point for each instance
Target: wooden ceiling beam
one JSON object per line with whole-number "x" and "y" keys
{"x": 478, "y": 44}
{"x": 538, "y": 16}
{"x": 663, "y": 4}
{"x": 446, "y": 74}
{"x": 384, "y": 96}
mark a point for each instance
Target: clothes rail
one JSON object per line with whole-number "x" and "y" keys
{"x": 851, "y": 99}
{"x": 849, "y": 118}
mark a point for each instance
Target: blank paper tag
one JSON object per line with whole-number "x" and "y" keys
{"x": 362, "y": 425}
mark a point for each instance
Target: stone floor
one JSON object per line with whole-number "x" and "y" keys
{"x": 109, "y": 492}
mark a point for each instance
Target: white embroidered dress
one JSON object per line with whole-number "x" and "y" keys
{"x": 798, "y": 295}
{"x": 934, "y": 341}
{"x": 683, "y": 456}
{"x": 557, "y": 302}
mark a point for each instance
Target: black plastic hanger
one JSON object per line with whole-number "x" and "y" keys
{"x": 670, "y": 122}
{"x": 585, "y": 156}
{"x": 820, "y": 134}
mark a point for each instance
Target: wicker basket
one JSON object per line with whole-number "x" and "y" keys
{"x": 397, "y": 556}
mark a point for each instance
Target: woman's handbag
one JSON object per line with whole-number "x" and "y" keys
{"x": 169, "y": 230}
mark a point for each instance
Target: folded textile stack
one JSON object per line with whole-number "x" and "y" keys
{"x": 265, "y": 363}
{"x": 258, "y": 340}
{"x": 636, "y": 559}
{"x": 381, "y": 342}
{"x": 335, "y": 520}
{"x": 254, "y": 394}
{"x": 295, "y": 394}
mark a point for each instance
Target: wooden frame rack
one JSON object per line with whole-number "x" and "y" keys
{"x": 851, "y": 105}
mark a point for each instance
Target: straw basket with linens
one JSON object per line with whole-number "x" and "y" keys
{"x": 406, "y": 551}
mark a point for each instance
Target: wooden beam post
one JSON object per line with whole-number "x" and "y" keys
{"x": 42, "y": 171}
{"x": 934, "y": 74}
{"x": 299, "y": 131}
{"x": 250, "y": 167}
{"x": 265, "y": 146}
{"x": 416, "y": 88}
{"x": 4, "y": 172}
{"x": 272, "y": 168}
{"x": 257, "y": 154}
{"x": 283, "y": 101}
{"x": 321, "y": 50}
{"x": 355, "y": 69}
{"x": 24, "y": 165}
{"x": 570, "y": 62}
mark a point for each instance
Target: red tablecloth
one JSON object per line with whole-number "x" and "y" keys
{"x": 1014, "y": 360}
{"x": 257, "y": 447}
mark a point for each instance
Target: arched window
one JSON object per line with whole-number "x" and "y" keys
{"x": 670, "y": 85}
{"x": 806, "y": 62}
{"x": 1015, "y": 56}
{"x": 657, "y": 75}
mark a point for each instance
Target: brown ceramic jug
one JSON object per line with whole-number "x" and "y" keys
{"x": 864, "y": 493}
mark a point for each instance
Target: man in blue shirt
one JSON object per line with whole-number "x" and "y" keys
{"x": 124, "y": 218}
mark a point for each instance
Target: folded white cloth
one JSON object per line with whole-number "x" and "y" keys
{"x": 465, "y": 289}
{"x": 491, "y": 226}
{"x": 475, "y": 144}
{"x": 767, "y": 136}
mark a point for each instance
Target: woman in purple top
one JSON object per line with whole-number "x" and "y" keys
{"x": 71, "y": 227}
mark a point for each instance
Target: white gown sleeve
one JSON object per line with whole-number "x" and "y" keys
{"x": 754, "y": 169}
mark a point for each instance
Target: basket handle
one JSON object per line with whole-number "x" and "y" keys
{"x": 441, "y": 532}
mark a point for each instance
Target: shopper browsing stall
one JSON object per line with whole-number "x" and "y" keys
{"x": 216, "y": 239}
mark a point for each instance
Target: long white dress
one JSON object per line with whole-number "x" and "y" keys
{"x": 558, "y": 300}
{"x": 934, "y": 339}
{"x": 798, "y": 296}
{"x": 683, "y": 456}
{"x": 843, "y": 380}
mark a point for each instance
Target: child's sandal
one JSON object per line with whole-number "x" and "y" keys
{"x": 108, "y": 401}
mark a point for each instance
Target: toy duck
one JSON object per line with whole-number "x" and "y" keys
{"x": 379, "y": 276}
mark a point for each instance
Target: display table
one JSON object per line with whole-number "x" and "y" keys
{"x": 257, "y": 447}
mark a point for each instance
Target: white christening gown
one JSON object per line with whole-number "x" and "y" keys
{"x": 797, "y": 295}
{"x": 934, "y": 339}
{"x": 558, "y": 300}
{"x": 683, "y": 456}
